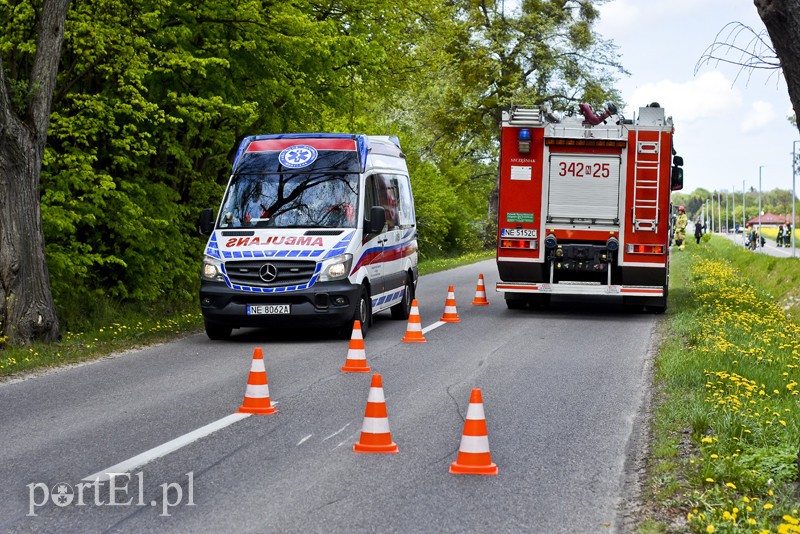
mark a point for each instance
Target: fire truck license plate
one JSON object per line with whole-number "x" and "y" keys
{"x": 517, "y": 232}
{"x": 269, "y": 309}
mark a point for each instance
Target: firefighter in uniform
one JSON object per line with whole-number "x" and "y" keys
{"x": 680, "y": 227}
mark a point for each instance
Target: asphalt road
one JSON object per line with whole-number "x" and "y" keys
{"x": 561, "y": 388}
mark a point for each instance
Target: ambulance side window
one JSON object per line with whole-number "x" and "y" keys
{"x": 369, "y": 197}
{"x": 388, "y": 198}
{"x": 406, "y": 214}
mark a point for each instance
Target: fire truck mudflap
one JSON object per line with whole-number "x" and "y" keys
{"x": 584, "y": 206}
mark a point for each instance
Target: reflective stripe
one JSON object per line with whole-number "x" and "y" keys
{"x": 257, "y": 391}
{"x": 356, "y": 355}
{"x": 376, "y": 395}
{"x": 474, "y": 444}
{"x": 373, "y": 425}
{"x": 475, "y": 411}
{"x": 257, "y": 366}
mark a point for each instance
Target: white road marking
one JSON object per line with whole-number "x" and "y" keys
{"x": 337, "y": 432}
{"x": 162, "y": 450}
{"x": 437, "y": 324}
{"x": 171, "y": 446}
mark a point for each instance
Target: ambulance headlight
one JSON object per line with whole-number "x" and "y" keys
{"x": 212, "y": 270}
{"x": 336, "y": 268}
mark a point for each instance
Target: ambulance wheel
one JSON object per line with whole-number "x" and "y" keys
{"x": 217, "y": 332}
{"x": 403, "y": 309}
{"x": 364, "y": 310}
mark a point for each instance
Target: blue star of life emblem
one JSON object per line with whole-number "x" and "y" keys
{"x": 297, "y": 156}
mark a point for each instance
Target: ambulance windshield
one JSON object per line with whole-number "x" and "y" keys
{"x": 290, "y": 200}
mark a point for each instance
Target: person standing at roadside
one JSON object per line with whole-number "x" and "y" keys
{"x": 698, "y": 230}
{"x": 680, "y": 227}
{"x": 787, "y": 234}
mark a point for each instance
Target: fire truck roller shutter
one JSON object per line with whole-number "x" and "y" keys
{"x": 584, "y": 186}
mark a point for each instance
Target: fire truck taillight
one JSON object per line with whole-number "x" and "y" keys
{"x": 645, "y": 249}
{"x": 560, "y": 141}
{"x": 528, "y": 244}
{"x": 524, "y": 141}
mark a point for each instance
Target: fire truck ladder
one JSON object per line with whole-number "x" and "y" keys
{"x": 646, "y": 181}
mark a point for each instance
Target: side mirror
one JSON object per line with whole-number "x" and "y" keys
{"x": 677, "y": 161}
{"x": 377, "y": 220}
{"x": 676, "y": 182}
{"x": 205, "y": 224}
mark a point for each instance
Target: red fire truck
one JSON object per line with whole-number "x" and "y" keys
{"x": 584, "y": 206}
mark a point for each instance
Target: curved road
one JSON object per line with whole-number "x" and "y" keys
{"x": 561, "y": 388}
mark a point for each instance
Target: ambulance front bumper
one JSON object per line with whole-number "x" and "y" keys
{"x": 323, "y": 304}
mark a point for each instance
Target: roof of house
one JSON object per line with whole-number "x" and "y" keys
{"x": 770, "y": 218}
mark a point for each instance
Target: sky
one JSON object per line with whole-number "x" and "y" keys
{"x": 726, "y": 128}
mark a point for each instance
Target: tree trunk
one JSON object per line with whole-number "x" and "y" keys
{"x": 27, "y": 310}
{"x": 782, "y": 20}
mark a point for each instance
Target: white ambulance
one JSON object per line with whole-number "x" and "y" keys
{"x": 314, "y": 230}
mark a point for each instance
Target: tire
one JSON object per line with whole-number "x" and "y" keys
{"x": 403, "y": 309}
{"x": 516, "y": 304}
{"x": 363, "y": 311}
{"x": 217, "y": 331}
{"x": 540, "y": 301}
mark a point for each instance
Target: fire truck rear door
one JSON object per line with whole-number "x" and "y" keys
{"x": 584, "y": 186}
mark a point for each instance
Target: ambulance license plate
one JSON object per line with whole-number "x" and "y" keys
{"x": 269, "y": 309}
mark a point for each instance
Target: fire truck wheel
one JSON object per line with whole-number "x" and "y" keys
{"x": 516, "y": 304}
{"x": 403, "y": 309}
{"x": 657, "y": 309}
{"x": 217, "y": 332}
{"x": 540, "y": 300}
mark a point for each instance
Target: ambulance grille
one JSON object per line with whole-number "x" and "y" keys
{"x": 286, "y": 272}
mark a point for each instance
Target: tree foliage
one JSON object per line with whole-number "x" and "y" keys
{"x": 153, "y": 97}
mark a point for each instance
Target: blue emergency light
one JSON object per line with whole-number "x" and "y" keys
{"x": 524, "y": 141}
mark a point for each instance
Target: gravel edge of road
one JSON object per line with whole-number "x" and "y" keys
{"x": 637, "y": 451}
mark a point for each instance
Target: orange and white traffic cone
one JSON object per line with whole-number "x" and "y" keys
{"x": 450, "y": 314}
{"x": 356, "y": 361}
{"x": 375, "y": 435}
{"x": 480, "y": 293}
{"x": 256, "y": 397}
{"x": 473, "y": 453}
{"x": 414, "y": 328}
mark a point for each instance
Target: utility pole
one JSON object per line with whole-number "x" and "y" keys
{"x": 759, "y": 198}
{"x": 744, "y": 216}
{"x": 794, "y": 175}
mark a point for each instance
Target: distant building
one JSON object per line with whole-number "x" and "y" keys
{"x": 771, "y": 220}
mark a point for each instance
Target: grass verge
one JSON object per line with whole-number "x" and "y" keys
{"x": 726, "y": 431}
{"x": 131, "y": 329}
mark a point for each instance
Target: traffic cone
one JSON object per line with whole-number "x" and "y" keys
{"x": 450, "y": 314}
{"x": 356, "y": 361}
{"x": 256, "y": 397}
{"x": 375, "y": 435}
{"x": 473, "y": 453}
{"x": 414, "y": 328}
{"x": 480, "y": 293}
